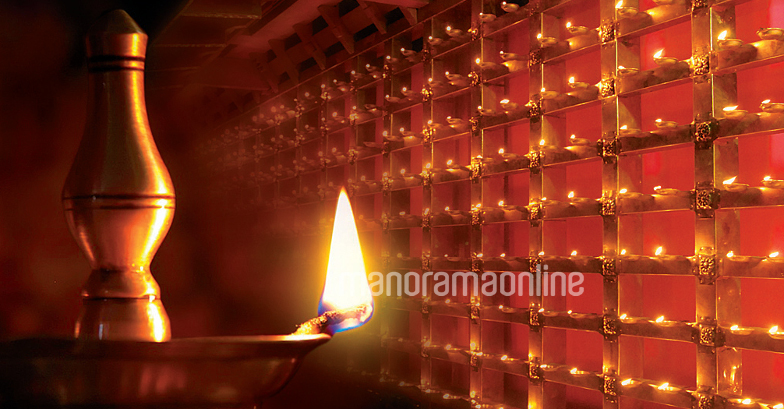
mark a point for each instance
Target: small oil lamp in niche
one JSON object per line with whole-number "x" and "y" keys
{"x": 119, "y": 203}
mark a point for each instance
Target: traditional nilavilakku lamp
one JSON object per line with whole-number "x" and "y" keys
{"x": 119, "y": 204}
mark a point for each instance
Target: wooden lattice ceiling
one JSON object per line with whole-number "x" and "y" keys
{"x": 225, "y": 55}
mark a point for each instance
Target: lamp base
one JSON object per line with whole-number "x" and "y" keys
{"x": 195, "y": 372}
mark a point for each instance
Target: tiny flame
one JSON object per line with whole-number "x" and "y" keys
{"x": 766, "y": 101}
{"x": 538, "y": 36}
{"x": 722, "y": 35}
{"x": 734, "y": 327}
{"x": 664, "y": 386}
{"x": 623, "y": 190}
{"x": 574, "y": 253}
{"x": 730, "y": 254}
{"x": 449, "y": 162}
{"x": 657, "y": 187}
{"x": 571, "y": 80}
{"x": 779, "y": 406}
{"x": 501, "y": 203}
{"x": 541, "y": 253}
{"x": 541, "y": 141}
{"x": 767, "y": 178}
{"x": 658, "y": 120}
{"x": 478, "y": 60}
{"x": 346, "y": 284}
{"x": 619, "y": 4}
{"x": 729, "y": 181}
{"x": 501, "y": 151}
{"x": 623, "y": 127}
{"x": 571, "y": 194}
{"x": 573, "y": 371}
{"x": 660, "y": 319}
{"x": 504, "y": 357}
{"x": 658, "y": 54}
{"x": 659, "y": 251}
{"x": 746, "y": 401}
{"x": 623, "y": 316}
{"x": 623, "y": 251}
{"x": 505, "y": 101}
{"x": 568, "y": 24}
{"x": 773, "y": 329}
{"x": 774, "y": 254}
{"x": 626, "y": 382}
{"x": 729, "y": 108}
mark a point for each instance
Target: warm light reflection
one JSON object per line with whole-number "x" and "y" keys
{"x": 157, "y": 319}
{"x": 346, "y": 285}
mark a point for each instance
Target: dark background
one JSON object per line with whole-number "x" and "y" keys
{"x": 220, "y": 273}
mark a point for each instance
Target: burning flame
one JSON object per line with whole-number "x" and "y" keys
{"x": 723, "y": 35}
{"x": 619, "y": 4}
{"x": 658, "y": 54}
{"x": 346, "y": 285}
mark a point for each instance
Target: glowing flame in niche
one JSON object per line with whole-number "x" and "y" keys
{"x": 346, "y": 285}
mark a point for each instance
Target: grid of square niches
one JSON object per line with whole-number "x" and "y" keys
{"x": 639, "y": 143}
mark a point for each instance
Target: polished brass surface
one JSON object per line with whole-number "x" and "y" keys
{"x": 118, "y": 197}
{"x": 198, "y": 372}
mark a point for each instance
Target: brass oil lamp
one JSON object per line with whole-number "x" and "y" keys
{"x": 119, "y": 203}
